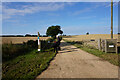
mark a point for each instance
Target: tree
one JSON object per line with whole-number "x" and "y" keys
{"x": 87, "y": 33}
{"x": 27, "y": 35}
{"x": 53, "y": 31}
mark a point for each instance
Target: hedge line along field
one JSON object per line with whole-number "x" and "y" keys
{"x": 90, "y": 36}
{"x": 19, "y": 40}
{"x": 23, "y": 61}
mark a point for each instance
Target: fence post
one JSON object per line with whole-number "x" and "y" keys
{"x": 39, "y": 43}
{"x": 99, "y": 44}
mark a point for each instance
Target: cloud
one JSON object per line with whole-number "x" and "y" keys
{"x": 88, "y": 9}
{"x": 95, "y": 6}
{"x": 109, "y": 4}
{"x": 87, "y": 17}
{"x": 0, "y": 12}
{"x": 82, "y": 11}
{"x": 29, "y": 9}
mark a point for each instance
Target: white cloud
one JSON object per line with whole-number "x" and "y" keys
{"x": 82, "y": 11}
{"x": 109, "y": 4}
{"x": 95, "y": 6}
{"x": 87, "y": 17}
{"x": 29, "y": 9}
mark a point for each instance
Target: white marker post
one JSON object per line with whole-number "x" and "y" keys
{"x": 38, "y": 42}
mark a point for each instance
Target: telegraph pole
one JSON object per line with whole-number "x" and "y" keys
{"x": 111, "y": 19}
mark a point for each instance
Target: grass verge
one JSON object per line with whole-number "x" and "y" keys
{"x": 111, "y": 57}
{"x": 26, "y": 67}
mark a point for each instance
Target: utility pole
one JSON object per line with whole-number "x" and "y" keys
{"x": 39, "y": 42}
{"x": 111, "y": 19}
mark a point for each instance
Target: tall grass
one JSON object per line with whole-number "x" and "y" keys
{"x": 26, "y": 67}
{"x": 23, "y": 61}
{"x": 10, "y": 51}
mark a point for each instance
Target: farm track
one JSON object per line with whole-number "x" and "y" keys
{"x": 72, "y": 62}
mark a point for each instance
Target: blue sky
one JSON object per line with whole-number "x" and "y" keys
{"x": 75, "y": 18}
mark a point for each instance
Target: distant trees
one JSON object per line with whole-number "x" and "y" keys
{"x": 53, "y": 31}
{"x": 12, "y": 36}
{"x": 29, "y": 35}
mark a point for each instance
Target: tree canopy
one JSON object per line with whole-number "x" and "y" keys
{"x": 53, "y": 31}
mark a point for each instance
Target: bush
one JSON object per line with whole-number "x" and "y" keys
{"x": 13, "y": 50}
{"x": 45, "y": 45}
{"x": 10, "y": 51}
{"x": 50, "y": 39}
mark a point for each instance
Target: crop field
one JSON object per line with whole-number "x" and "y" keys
{"x": 90, "y": 37}
{"x": 18, "y": 40}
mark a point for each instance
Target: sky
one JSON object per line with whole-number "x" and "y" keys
{"x": 75, "y": 18}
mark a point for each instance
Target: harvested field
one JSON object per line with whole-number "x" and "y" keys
{"x": 91, "y": 37}
{"x": 18, "y": 40}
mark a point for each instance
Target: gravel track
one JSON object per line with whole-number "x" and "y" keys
{"x": 72, "y": 62}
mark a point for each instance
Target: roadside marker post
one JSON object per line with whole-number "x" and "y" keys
{"x": 39, "y": 47}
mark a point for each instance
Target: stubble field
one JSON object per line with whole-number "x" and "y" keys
{"x": 19, "y": 40}
{"x": 91, "y": 37}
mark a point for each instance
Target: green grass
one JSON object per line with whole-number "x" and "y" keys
{"x": 26, "y": 67}
{"x": 111, "y": 57}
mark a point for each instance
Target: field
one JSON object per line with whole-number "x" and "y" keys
{"x": 90, "y": 37}
{"x": 18, "y": 40}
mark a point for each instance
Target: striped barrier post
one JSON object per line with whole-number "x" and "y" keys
{"x": 39, "y": 42}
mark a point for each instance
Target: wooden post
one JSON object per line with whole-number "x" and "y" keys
{"x": 39, "y": 47}
{"x": 111, "y": 19}
{"x": 99, "y": 44}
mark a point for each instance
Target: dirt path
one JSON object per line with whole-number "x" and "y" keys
{"x": 72, "y": 62}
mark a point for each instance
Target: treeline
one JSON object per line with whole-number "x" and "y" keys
{"x": 27, "y": 35}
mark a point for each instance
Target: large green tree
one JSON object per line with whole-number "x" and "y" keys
{"x": 53, "y": 31}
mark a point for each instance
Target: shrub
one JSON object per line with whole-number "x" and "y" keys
{"x": 10, "y": 51}
{"x": 50, "y": 39}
